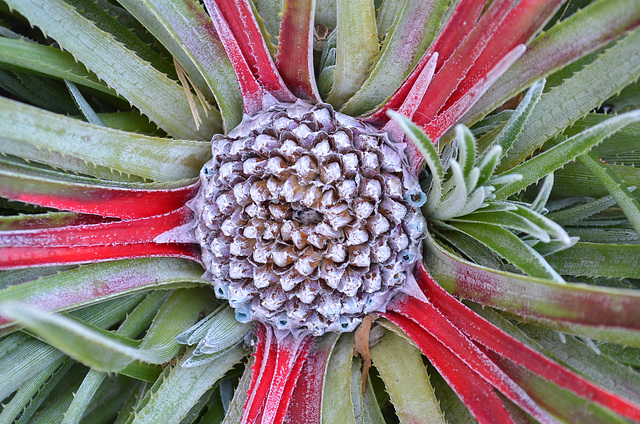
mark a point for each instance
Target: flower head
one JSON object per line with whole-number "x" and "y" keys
{"x": 336, "y": 198}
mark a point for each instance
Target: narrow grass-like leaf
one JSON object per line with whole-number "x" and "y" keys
{"x": 576, "y": 96}
{"x": 26, "y": 392}
{"x": 595, "y": 312}
{"x": 86, "y": 110}
{"x": 47, "y": 60}
{"x": 513, "y": 127}
{"x": 414, "y": 28}
{"x": 466, "y": 149}
{"x": 182, "y": 389}
{"x": 554, "y": 230}
{"x": 337, "y": 406}
{"x": 117, "y": 26}
{"x": 23, "y": 357}
{"x": 68, "y": 290}
{"x": 67, "y": 143}
{"x": 107, "y": 353}
{"x": 543, "y": 194}
{"x": 357, "y": 47}
{"x": 554, "y": 158}
{"x": 455, "y": 200}
{"x": 406, "y": 380}
{"x": 598, "y": 260}
{"x": 194, "y": 42}
{"x": 488, "y": 163}
{"x": 506, "y": 219}
{"x": 615, "y": 186}
{"x": 224, "y": 332}
{"x": 430, "y": 154}
{"x": 570, "y": 39}
{"x": 83, "y": 396}
{"x": 511, "y": 248}
{"x": 152, "y": 92}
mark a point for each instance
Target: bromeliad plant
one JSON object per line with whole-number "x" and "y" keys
{"x": 336, "y": 201}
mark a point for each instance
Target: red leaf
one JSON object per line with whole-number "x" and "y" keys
{"x": 433, "y": 322}
{"x": 24, "y": 257}
{"x": 252, "y": 92}
{"x": 262, "y": 373}
{"x": 485, "y": 333}
{"x": 459, "y": 25}
{"x": 292, "y": 354}
{"x": 295, "y": 49}
{"x": 119, "y": 202}
{"x": 306, "y": 402}
{"x": 473, "y": 390}
{"x": 523, "y": 21}
{"x": 143, "y": 230}
{"x": 456, "y": 66}
{"x": 447, "y": 118}
{"x": 244, "y": 29}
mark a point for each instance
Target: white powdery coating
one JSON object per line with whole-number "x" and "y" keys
{"x": 307, "y": 219}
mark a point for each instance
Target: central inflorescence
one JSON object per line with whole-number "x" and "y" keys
{"x": 308, "y": 219}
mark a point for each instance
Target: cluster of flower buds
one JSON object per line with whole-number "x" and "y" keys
{"x": 308, "y": 219}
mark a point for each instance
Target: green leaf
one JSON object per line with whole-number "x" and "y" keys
{"x": 511, "y": 248}
{"x": 414, "y": 28}
{"x": 574, "y": 214}
{"x": 506, "y": 219}
{"x": 576, "y": 96}
{"x": 337, "y": 406}
{"x": 188, "y": 33}
{"x": 452, "y": 203}
{"x": 22, "y": 357}
{"x": 78, "y": 146}
{"x": 598, "y": 260}
{"x": 103, "y": 352}
{"x": 429, "y": 153}
{"x": 47, "y": 60}
{"x": 509, "y": 133}
{"x": 536, "y": 168}
{"x": 90, "y": 284}
{"x": 27, "y": 391}
{"x": 357, "y": 47}
{"x": 406, "y": 380}
{"x": 114, "y": 25}
{"x": 183, "y": 387}
{"x": 590, "y": 311}
{"x": 616, "y": 187}
{"x": 161, "y": 99}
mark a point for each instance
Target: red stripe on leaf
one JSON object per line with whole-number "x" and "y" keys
{"x": 24, "y": 257}
{"x": 295, "y": 49}
{"x": 522, "y": 23}
{"x": 143, "y": 230}
{"x": 252, "y": 92}
{"x": 456, "y": 66}
{"x": 433, "y": 322}
{"x": 262, "y": 374}
{"x": 125, "y": 203}
{"x": 292, "y": 354}
{"x": 473, "y": 390}
{"x": 463, "y": 19}
{"x": 305, "y": 406}
{"x": 485, "y": 333}
{"x": 244, "y": 29}
{"x": 447, "y": 118}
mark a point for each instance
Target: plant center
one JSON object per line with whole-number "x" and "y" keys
{"x": 307, "y": 218}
